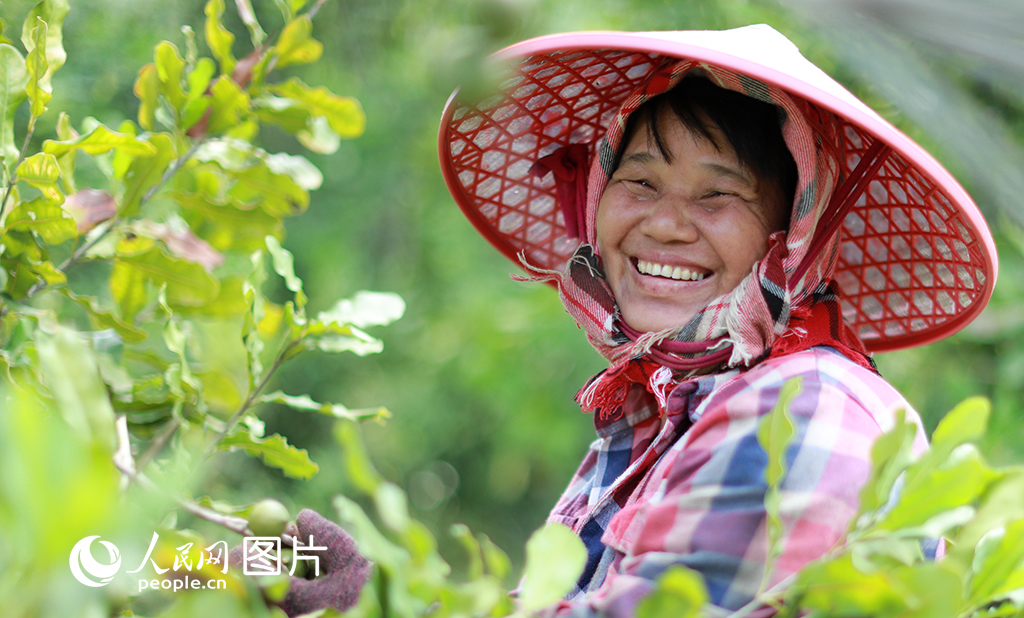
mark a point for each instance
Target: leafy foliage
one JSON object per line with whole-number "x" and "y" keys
{"x": 148, "y": 304}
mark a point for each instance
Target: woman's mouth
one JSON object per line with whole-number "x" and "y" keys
{"x": 669, "y": 272}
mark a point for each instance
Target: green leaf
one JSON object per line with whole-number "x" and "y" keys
{"x": 248, "y": 16}
{"x": 228, "y": 105}
{"x": 277, "y": 194}
{"x": 284, "y": 264}
{"x": 66, "y": 161}
{"x": 187, "y": 284}
{"x": 994, "y": 564}
{"x": 274, "y": 451}
{"x": 219, "y": 38}
{"x": 319, "y": 137}
{"x": 295, "y": 45}
{"x": 226, "y": 227}
{"x": 774, "y": 432}
{"x": 42, "y": 172}
{"x": 13, "y": 80}
{"x": 967, "y": 422}
{"x": 365, "y": 309}
{"x": 304, "y": 403}
{"x": 69, "y": 367}
{"x": 200, "y": 77}
{"x": 145, "y": 172}
{"x": 45, "y": 218}
{"x": 252, "y": 290}
{"x": 958, "y": 483}
{"x": 103, "y": 318}
{"x": 169, "y": 68}
{"x": 392, "y": 506}
{"x": 298, "y": 168}
{"x": 555, "y": 558}
{"x": 357, "y": 463}
{"x": 147, "y": 89}
{"x": 891, "y": 454}
{"x": 341, "y": 339}
{"x": 101, "y": 140}
{"x": 52, "y": 12}
{"x": 38, "y": 91}
{"x": 836, "y": 588}
{"x": 679, "y": 593}
{"x": 495, "y": 559}
{"x": 344, "y": 114}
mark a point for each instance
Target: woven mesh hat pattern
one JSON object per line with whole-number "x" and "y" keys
{"x": 916, "y": 260}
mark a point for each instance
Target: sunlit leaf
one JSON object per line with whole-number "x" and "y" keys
{"x": 145, "y": 172}
{"x": 101, "y": 140}
{"x": 169, "y": 68}
{"x": 305, "y": 403}
{"x": 52, "y": 12}
{"x": 228, "y": 104}
{"x": 66, "y": 161}
{"x": 218, "y": 37}
{"x": 342, "y": 339}
{"x": 45, "y": 218}
{"x": 679, "y": 593}
{"x": 187, "y": 283}
{"x": 298, "y": 168}
{"x": 295, "y": 45}
{"x": 392, "y": 506}
{"x": 147, "y": 89}
{"x": 365, "y": 309}
{"x": 227, "y": 227}
{"x": 42, "y": 172}
{"x": 555, "y": 558}
{"x": 253, "y": 316}
{"x": 69, "y": 367}
{"x": 274, "y": 451}
{"x": 994, "y": 564}
{"x": 38, "y": 88}
{"x": 13, "y": 80}
{"x": 774, "y": 433}
{"x": 836, "y": 588}
{"x": 319, "y": 137}
{"x": 103, "y": 318}
{"x": 891, "y": 453}
{"x": 344, "y": 114}
{"x": 959, "y": 482}
{"x": 249, "y": 19}
{"x": 200, "y": 77}
{"x": 966, "y": 422}
{"x": 357, "y": 463}
{"x": 284, "y": 265}
{"x": 276, "y": 194}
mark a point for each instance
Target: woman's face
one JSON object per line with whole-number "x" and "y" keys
{"x": 673, "y": 236}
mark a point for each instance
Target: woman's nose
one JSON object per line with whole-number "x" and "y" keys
{"x": 671, "y": 220}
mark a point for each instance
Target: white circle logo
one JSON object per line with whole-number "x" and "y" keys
{"x": 81, "y": 558}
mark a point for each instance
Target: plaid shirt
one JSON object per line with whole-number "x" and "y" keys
{"x": 687, "y": 486}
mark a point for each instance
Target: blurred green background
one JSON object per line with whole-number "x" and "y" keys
{"x": 480, "y": 374}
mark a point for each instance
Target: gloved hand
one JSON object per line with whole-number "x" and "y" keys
{"x": 343, "y": 570}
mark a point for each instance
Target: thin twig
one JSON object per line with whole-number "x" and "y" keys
{"x": 278, "y": 360}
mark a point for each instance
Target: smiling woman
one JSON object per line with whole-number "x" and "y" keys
{"x": 684, "y": 218}
{"x": 721, "y": 218}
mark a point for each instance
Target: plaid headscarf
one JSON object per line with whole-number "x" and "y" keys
{"x": 744, "y": 325}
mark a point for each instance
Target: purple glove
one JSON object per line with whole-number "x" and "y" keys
{"x": 343, "y": 570}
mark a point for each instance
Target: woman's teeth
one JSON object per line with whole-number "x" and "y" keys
{"x": 672, "y": 272}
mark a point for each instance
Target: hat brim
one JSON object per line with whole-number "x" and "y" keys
{"x": 917, "y": 261}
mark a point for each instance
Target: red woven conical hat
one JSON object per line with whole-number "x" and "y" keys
{"x": 917, "y": 261}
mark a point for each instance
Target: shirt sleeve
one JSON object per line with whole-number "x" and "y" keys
{"x": 702, "y": 506}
